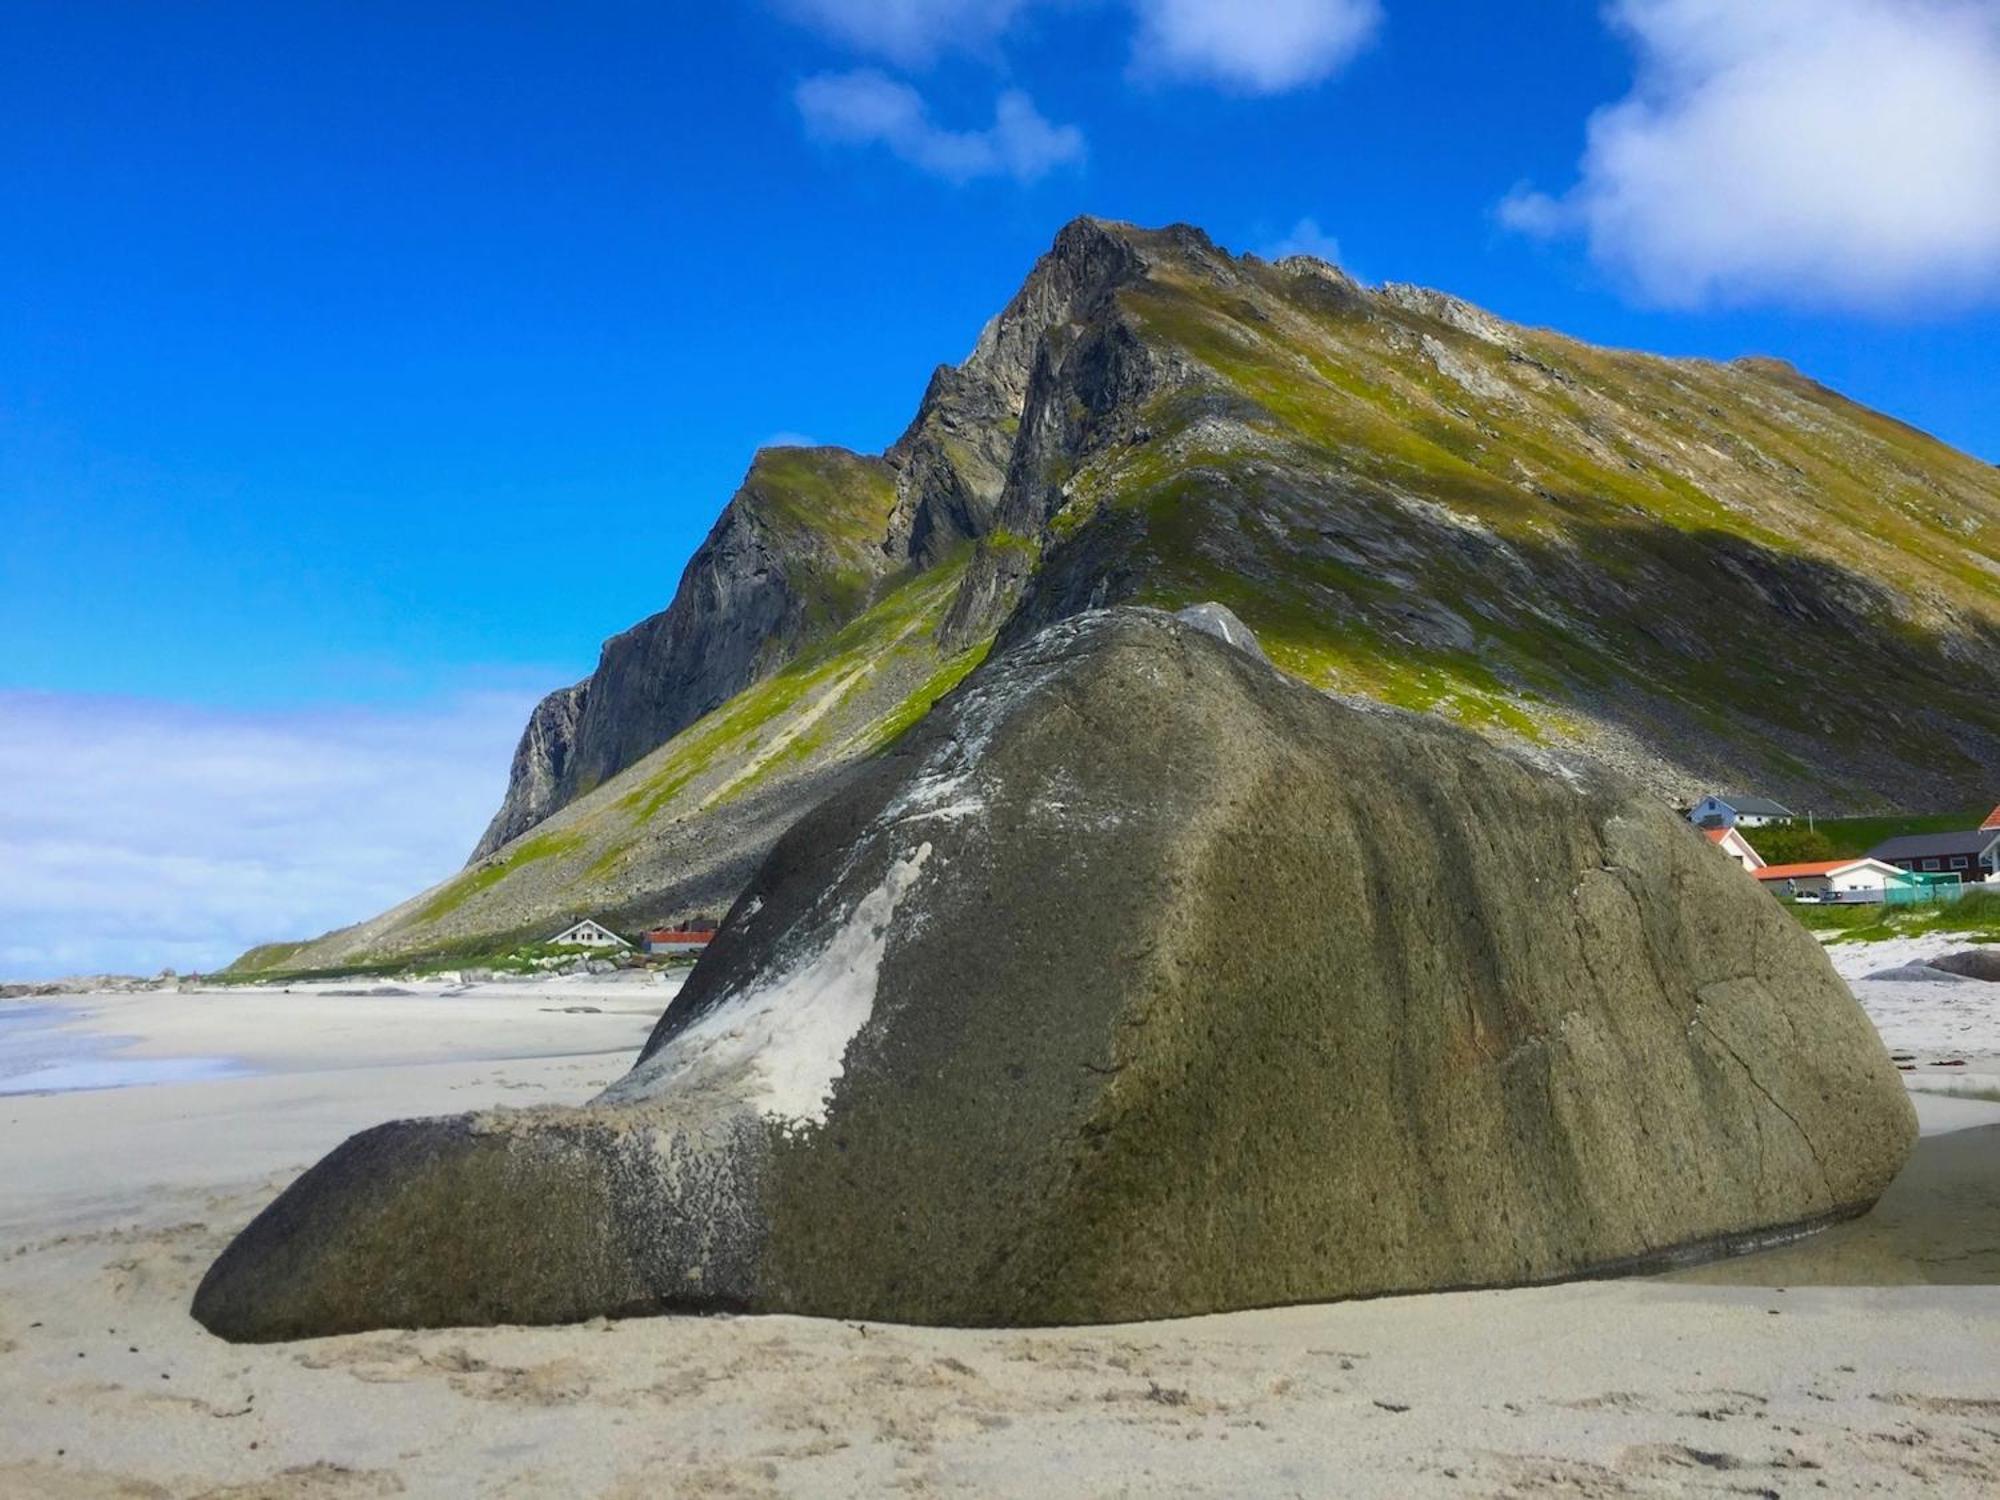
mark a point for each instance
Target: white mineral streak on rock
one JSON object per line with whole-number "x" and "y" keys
{"x": 943, "y": 787}
{"x": 779, "y": 1045}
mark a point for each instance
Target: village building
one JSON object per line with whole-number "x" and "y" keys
{"x": 588, "y": 934}
{"x": 1969, "y": 856}
{"x": 1857, "y": 880}
{"x": 1730, "y": 812}
{"x": 1732, "y": 843}
{"x": 691, "y": 938}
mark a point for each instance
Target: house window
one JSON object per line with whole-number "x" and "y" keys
{"x": 1931, "y": 864}
{"x": 1958, "y": 862}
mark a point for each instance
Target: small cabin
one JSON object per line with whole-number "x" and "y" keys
{"x": 588, "y": 934}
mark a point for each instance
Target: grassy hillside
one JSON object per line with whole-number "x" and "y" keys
{"x": 673, "y": 835}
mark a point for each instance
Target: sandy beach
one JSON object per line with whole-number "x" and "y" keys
{"x": 1941, "y": 1029}
{"x": 1862, "y": 1360}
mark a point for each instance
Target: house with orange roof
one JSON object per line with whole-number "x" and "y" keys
{"x": 1845, "y": 880}
{"x": 691, "y": 937}
{"x": 1732, "y": 843}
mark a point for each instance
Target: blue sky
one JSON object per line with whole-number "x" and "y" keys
{"x": 382, "y": 359}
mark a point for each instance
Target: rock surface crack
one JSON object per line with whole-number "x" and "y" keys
{"x": 1776, "y": 1103}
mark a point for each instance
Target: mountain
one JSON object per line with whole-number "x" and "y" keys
{"x": 1708, "y": 574}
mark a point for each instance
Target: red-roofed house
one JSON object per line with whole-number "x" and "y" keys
{"x": 1992, "y": 823}
{"x": 1732, "y": 843}
{"x": 1833, "y": 879}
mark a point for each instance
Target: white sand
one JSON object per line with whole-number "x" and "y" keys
{"x": 1945, "y": 1032}
{"x": 113, "y": 1203}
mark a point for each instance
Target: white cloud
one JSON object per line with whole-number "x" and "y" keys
{"x": 139, "y": 834}
{"x": 865, "y": 108}
{"x": 1244, "y": 46}
{"x": 1305, "y": 238}
{"x": 909, "y": 32}
{"x": 1830, "y": 152}
{"x": 1267, "y": 47}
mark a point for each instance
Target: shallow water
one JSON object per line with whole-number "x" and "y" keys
{"x": 42, "y": 1051}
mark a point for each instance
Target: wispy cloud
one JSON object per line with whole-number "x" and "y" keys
{"x": 867, "y": 108}
{"x": 908, "y": 32}
{"x": 139, "y": 834}
{"x": 1270, "y": 47}
{"x": 1304, "y": 238}
{"x": 1828, "y": 152}
{"x": 1243, "y": 46}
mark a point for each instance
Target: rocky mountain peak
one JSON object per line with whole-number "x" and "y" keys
{"x": 1700, "y": 572}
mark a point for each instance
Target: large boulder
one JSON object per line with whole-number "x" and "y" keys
{"x": 1138, "y": 981}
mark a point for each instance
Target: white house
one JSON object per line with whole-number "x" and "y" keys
{"x": 1732, "y": 843}
{"x": 1833, "y": 879}
{"x": 588, "y": 934}
{"x": 1728, "y": 812}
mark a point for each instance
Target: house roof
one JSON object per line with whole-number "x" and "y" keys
{"x": 587, "y": 922}
{"x": 1936, "y": 845}
{"x": 1728, "y": 837}
{"x": 1819, "y": 867}
{"x": 1757, "y": 807}
{"x": 1992, "y": 823}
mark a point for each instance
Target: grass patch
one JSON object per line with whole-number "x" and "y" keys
{"x": 901, "y": 719}
{"x": 528, "y": 851}
{"x": 481, "y": 953}
{"x": 735, "y": 728}
{"x": 1977, "y": 915}
{"x": 833, "y": 493}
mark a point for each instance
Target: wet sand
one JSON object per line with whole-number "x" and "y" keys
{"x": 1938, "y": 1225}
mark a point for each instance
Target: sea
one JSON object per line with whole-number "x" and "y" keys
{"x": 42, "y": 1051}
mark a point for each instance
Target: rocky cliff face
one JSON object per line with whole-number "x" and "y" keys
{"x": 794, "y": 556}
{"x": 541, "y": 760}
{"x": 1703, "y": 573}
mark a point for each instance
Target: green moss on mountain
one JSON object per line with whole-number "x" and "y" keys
{"x": 519, "y": 856}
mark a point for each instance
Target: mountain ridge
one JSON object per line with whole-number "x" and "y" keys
{"x": 1700, "y": 571}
